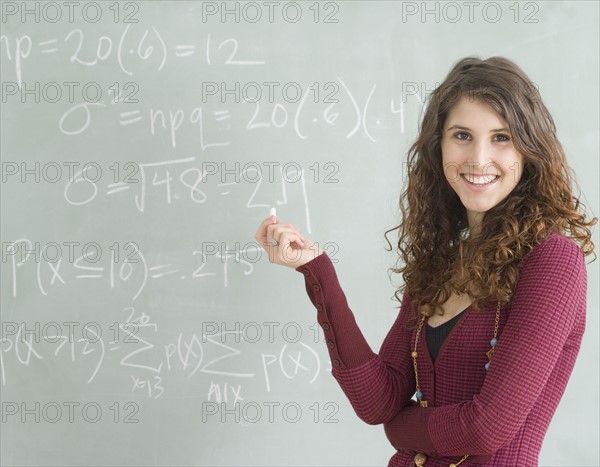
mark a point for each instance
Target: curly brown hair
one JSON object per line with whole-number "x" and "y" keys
{"x": 434, "y": 241}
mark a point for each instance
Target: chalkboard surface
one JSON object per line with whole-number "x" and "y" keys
{"x": 143, "y": 142}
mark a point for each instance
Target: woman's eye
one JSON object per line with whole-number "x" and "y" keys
{"x": 462, "y": 136}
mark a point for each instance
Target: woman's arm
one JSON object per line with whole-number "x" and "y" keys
{"x": 549, "y": 300}
{"x": 378, "y": 386}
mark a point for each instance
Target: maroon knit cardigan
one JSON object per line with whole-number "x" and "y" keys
{"x": 498, "y": 416}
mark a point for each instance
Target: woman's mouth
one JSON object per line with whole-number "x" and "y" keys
{"x": 479, "y": 181}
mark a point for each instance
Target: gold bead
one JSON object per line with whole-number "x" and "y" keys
{"x": 414, "y": 354}
{"x": 452, "y": 465}
{"x": 420, "y": 459}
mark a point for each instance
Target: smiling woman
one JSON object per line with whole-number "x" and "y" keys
{"x": 493, "y": 243}
{"x": 460, "y": 235}
{"x": 477, "y": 147}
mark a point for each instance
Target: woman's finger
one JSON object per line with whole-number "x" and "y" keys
{"x": 261, "y": 233}
{"x": 273, "y": 229}
{"x": 275, "y": 234}
{"x": 276, "y": 238}
{"x": 262, "y": 228}
{"x": 284, "y": 253}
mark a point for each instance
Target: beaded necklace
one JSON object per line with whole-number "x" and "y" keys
{"x": 421, "y": 458}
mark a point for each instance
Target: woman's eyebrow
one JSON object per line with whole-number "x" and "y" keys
{"x": 460, "y": 127}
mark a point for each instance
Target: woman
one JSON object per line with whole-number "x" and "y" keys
{"x": 494, "y": 297}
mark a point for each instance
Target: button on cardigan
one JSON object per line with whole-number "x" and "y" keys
{"x": 499, "y": 416}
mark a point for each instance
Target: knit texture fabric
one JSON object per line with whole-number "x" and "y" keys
{"x": 498, "y": 416}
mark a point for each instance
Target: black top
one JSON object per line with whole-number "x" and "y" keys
{"x": 436, "y": 336}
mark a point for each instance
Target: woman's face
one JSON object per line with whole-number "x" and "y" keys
{"x": 480, "y": 161}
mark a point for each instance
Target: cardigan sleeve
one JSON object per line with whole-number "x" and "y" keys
{"x": 550, "y": 298}
{"x": 377, "y": 385}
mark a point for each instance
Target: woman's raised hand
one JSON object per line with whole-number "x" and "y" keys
{"x": 285, "y": 244}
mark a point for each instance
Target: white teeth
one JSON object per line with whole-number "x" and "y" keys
{"x": 480, "y": 179}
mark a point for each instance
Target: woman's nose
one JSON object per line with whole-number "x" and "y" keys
{"x": 479, "y": 158}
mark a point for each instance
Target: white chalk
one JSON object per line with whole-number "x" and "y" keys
{"x": 274, "y": 213}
